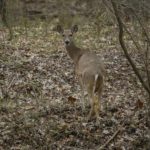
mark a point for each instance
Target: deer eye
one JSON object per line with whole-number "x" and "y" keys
{"x": 63, "y": 35}
{"x": 70, "y": 35}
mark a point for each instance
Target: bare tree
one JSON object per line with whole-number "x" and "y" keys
{"x": 3, "y": 12}
{"x": 145, "y": 84}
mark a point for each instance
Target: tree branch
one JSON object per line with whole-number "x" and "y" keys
{"x": 121, "y": 34}
{"x": 109, "y": 140}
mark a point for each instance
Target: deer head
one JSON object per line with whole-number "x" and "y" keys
{"x": 67, "y": 35}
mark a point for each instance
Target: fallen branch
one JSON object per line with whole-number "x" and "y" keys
{"x": 109, "y": 140}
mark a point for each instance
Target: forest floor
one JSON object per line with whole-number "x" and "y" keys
{"x": 39, "y": 98}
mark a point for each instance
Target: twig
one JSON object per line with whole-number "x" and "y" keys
{"x": 107, "y": 6}
{"x": 109, "y": 140}
{"x": 124, "y": 48}
{"x": 11, "y": 83}
{"x": 147, "y": 64}
{"x": 138, "y": 47}
{"x": 142, "y": 26}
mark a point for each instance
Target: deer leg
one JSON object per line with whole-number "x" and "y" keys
{"x": 82, "y": 100}
{"x": 91, "y": 97}
{"x": 91, "y": 113}
{"x": 102, "y": 107}
{"x": 96, "y": 108}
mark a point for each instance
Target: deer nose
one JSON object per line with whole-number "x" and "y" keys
{"x": 67, "y": 42}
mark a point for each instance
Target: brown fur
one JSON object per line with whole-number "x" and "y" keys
{"x": 87, "y": 67}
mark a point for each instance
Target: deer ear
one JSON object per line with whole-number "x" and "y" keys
{"x": 59, "y": 29}
{"x": 74, "y": 28}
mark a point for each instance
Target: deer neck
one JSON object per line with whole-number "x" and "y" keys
{"x": 74, "y": 52}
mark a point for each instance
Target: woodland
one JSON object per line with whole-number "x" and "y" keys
{"x": 39, "y": 92}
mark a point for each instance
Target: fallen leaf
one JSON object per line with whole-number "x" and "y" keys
{"x": 71, "y": 100}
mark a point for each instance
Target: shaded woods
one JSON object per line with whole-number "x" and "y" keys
{"x": 39, "y": 93}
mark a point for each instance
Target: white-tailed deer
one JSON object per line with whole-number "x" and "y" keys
{"x": 88, "y": 68}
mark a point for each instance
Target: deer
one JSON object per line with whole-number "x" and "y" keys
{"x": 88, "y": 68}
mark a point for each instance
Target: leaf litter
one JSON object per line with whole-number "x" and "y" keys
{"x": 40, "y": 107}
